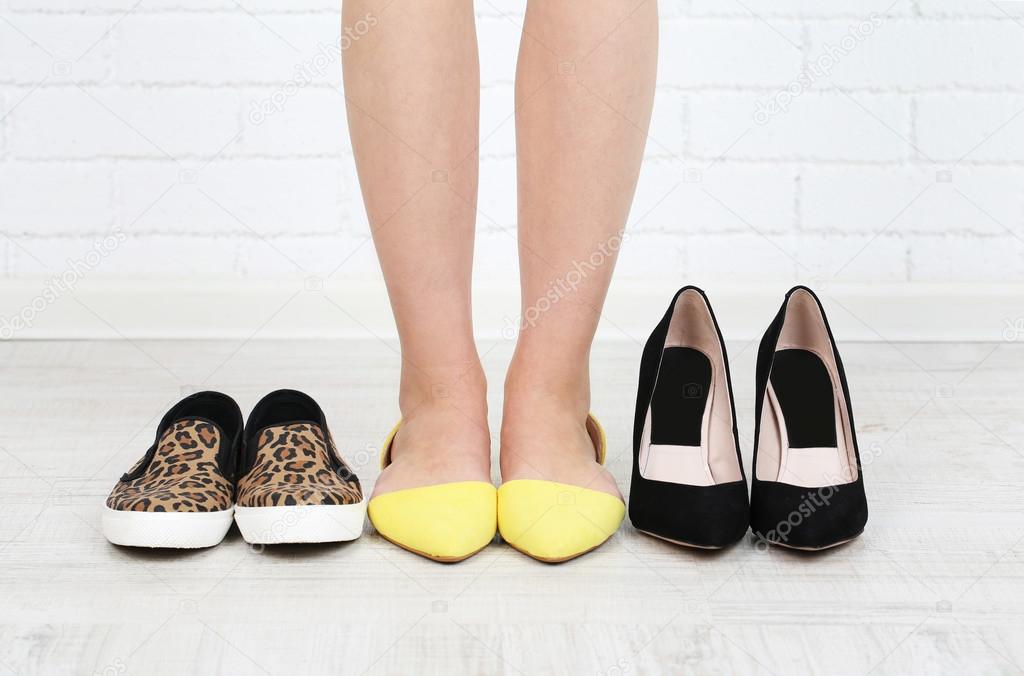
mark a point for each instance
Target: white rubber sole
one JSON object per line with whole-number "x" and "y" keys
{"x": 300, "y": 523}
{"x": 172, "y": 530}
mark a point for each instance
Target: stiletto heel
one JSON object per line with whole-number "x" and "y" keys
{"x": 808, "y": 487}
{"x": 688, "y": 485}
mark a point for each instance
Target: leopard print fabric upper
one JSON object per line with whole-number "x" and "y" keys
{"x": 293, "y": 467}
{"x": 184, "y": 475}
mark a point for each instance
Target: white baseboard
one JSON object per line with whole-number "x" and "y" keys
{"x": 105, "y": 309}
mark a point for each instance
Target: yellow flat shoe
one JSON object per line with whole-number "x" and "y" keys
{"x": 555, "y": 522}
{"x": 445, "y": 522}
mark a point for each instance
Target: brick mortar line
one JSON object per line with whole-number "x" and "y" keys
{"x": 108, "y": 84}
{"x": 828, "y": 233}
{"x": 817, "y": 161}
{"x": 819, "y": 19}
{"x": 360, "y": 233}
{"x": 117, "y": 207}
{"x": 853, "y": 89}
{"x": 915, "y": 147}
{"x": 184, "y": 11}
{"x": 660, "y": 159}
{"x": 5, "y": 122}
{"x": 936, "y": 17}
{"x": 178, "y": 157}
{"x": 237, "y": 85}
{"x": 687, "y": 122}
{"x": 822, "y": 232}
{"x": 798, "y": 196}
{"x": 233, "y": 235}
{"x": 724, "y": 18}
{"x": 806, "y": 46}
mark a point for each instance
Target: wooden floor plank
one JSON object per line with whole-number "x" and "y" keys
{"x": 934, "y": 585}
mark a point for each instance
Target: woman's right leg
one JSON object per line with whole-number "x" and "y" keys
{"x": 412, "y": 85}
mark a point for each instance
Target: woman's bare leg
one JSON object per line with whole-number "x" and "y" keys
{"x": 412, "y": 84}
{"x": 584, "y": 90}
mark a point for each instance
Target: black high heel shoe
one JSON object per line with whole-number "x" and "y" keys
{"x": 688, "y": 485}
{"x": 808, "y": 488}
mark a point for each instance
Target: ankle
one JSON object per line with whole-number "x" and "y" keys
{"x": 459, "y": 386}
{"x": 535, "y": 387}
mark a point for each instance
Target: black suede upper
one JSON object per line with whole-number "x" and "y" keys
{"x": 705, "y": 516}
{"x": 803, "y": 517}
{"x": 798, "y": 516}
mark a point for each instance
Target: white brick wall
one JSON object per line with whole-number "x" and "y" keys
{"x": 909, "y": 149}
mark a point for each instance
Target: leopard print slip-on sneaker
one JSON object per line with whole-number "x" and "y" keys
{"x": 181, "y": 494}
{"x": 294, "y": 485}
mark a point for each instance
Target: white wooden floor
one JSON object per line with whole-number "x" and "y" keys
{"x": 936, "y": 584}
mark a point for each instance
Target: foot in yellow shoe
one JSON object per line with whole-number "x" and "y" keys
{"x": 445, "y": 522}
{"x": 554, "y": 522}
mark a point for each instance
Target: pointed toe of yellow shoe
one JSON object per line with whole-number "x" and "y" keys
{"x": 446, "y": 522}
{"x": 555, "y": 522}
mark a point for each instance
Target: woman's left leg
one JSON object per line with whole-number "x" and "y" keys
{"x": 584, "y": 92}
